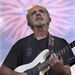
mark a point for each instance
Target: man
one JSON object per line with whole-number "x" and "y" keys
{"x": 27, "y": 49}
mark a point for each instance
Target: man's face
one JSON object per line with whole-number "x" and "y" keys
{"x": 38, "y": 16}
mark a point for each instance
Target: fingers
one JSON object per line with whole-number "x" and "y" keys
{"x": 55, "y": 56}
{"x": 54, "y": 59}
{"x": 55, "y": 62}
{"x": 61, "y": 60}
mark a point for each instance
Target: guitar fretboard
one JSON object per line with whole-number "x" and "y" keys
{"x": 65, "y": 49}
{"x": 43, "y": 65}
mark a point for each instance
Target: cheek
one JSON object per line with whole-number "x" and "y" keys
{"x": 46, "y": 27}
{"x": 33, "y": 18}
{"x": 45, "y": 17}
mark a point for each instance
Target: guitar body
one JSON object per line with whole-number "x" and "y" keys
{"x": 39, "y": 59}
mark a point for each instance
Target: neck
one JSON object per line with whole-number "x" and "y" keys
{"x": 40, "y": 36}
{"x": 40, "y": 33}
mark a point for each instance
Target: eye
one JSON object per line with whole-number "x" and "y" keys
{"x": 42, "y": 11}
{"x": 33, "y": 13}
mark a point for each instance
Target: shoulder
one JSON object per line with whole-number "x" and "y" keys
{"x": 59, "y": 39}
{"x": 23, "y": 41}
{"x": 25, "y": 38}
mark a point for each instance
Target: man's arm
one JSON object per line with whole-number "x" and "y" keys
{"x": 7, "y": 71}
{"x": 65, "y": 71}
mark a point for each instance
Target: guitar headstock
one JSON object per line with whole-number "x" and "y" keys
{"x": 72, "y": 44}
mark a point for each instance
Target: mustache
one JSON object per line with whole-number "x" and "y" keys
{"x": 39, "y": 18}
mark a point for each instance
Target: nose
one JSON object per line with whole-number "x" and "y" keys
{"x": 38, "y": 14}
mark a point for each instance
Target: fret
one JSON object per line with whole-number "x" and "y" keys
{"x": 72, "y": 44}
{"x": 64, "y": 51}
{"x": 66, "y": 48}
{"x": 59, "y": 54}
{"x": 52, "y": 52}
{"x": 43, "y": 65}
{"x": 56, "y": 53}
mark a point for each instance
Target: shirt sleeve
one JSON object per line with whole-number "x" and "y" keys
{"x": 11, "y": 59}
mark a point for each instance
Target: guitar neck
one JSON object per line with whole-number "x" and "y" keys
{"x": 43, "y": 65}
{"x": 65, "y": 49}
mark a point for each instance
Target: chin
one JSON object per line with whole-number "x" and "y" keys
{"x": 39, "y": 23}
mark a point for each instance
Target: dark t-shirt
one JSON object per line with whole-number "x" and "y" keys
{"x": 27, "y": 49}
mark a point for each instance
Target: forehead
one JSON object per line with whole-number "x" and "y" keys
{"x": 36, "y": 8}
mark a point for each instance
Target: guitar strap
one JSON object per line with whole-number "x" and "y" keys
{"x": 51, "y": 43}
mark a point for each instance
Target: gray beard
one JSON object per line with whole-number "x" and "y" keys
{"x": 39, "y": 23}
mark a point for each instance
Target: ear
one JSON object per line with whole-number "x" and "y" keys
{"x": 49, "y": 19}
{"x": 29, "y": 23}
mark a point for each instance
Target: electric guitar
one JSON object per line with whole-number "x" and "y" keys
{"x": 41, "y": 58}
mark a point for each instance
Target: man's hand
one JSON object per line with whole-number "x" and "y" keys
{"x": 56, "y": 63}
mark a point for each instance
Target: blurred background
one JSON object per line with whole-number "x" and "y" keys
{"x": 13, "y": 24}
